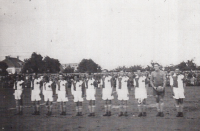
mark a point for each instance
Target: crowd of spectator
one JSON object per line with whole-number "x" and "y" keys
{"x": 192, "y": 79}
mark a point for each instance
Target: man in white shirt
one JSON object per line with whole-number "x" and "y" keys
{"x": 76, "y": 90}
{"x": 107, "y": 93}
{"x": 48, "y": 94}
{"x": 122, "y": 93}
{"x": 35, "y": 94}
{"x": 61, "y": 90}
{"x": 140, "y": 92}
{"x": 90, "y": 93}
{"x": 177, "y": 83}
{"x": 18, "y": 87}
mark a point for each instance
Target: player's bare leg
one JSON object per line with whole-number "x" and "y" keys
{"x": 121, "y": 108}
{"x": 47, "y": 106}
{"x": 144, "y": 108}
{"x": 93, "y": 107}
{"x": 77, "y": 108}
{"x": 177, "y": 107}
{"x": 125, "y": 108}
{"x": 50, "y": 107}
{"x": 161, "y": 107}
{"x": 90, "y": 108}
{"x": 158, "y": 105}
{"x": 106, "y": 108}
{"x": 37, "y": 107}
{"x": 181, "y": 107}
{"x": 80, "y": 108}
{"x": 109, "y": 107}
{"x": 64, "y": 108}
{"x": 21, "y": 107}
{"x": 34, "y": 106}
{"x": 61, "y": 107}
{"x": 140, "y": 107}
{"x": 17, "y": 107}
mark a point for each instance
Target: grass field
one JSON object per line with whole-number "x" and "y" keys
{"x": 27, "y": 122}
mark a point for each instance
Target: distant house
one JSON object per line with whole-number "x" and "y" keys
{"x": 73, "y": 65}
{"x": 14, "y": 64}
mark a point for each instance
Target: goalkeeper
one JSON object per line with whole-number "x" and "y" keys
{"x": 158, "y": 81}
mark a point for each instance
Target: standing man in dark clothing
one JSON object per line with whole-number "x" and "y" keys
{"x": 158, "y": 79}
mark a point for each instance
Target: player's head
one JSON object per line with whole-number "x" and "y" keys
{"x": 129, "y": 74}
{"x": 46, "y": 78}
{"x": 121, "y": 73}
{"x": 81, "y": 77}
{"x": 89, "y": 75}
{"x": 177, "y": 71}
{"x": 75, "y": 78}
{"x": 18, "y": 78}
{"x": 35, "y": 76}
{"x": 156, "y": 66}
{"x": 104, "y": 72}
{"x": 61, "y": 77}
{"x": 138, "y": 72}
{"x": 41, "y": 77}
{"x": 143, "y": 73}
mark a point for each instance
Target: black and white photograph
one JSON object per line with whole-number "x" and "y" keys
{"x": 99, "y": 65}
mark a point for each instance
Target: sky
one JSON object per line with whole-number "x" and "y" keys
{"x": 110, "y": 32}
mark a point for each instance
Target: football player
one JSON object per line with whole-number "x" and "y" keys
{"x": 107, "y": 93}
{"x": 35, "y": 94}
{"x": 62, "y": 92}
{"x": 90, "y": 93}
{"x": 122, "y": 93}
{"x": 48, "y": 94}
{"x": 158, "y": 79}
{"x": 177, "y": 83}
{"x": 140, "y": 92}
{"x": 76, "y": 90}
{"x": 18, "y": 87}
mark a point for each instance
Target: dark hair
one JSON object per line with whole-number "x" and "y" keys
{"x": 156, "y": 64}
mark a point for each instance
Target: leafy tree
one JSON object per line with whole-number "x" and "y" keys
{"x": 3, "y": 67}
{"x": 170, "y": 68}
{"x": 34, "y": 64}
{"x": 135, "y": 68}
{"x": 149, "y": 68}
{"x": 182, "y": 66}
{"x": 120, "y": 68}
{"x": 51, "y": 65}
{"x": 68, "y": 69}
{"x": 88, "y": 65}
{"x": 191, "y": 65}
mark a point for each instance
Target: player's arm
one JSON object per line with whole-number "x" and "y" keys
{"x": 171, "y": 84}
{"x": 83, "y": 88}
{"x": 101, "y": 83}
{"x": 32, "y": 84}
{"x": 184, "y": 83}
{"x": 86, "y": 84}
{"x": 146, "y": 82}
{"x": 66, "y": 85}
{"x": 134, "y": 82}
{"x": 94, "y": 84}
{"x": 164, "y": 80}
{"x": 72, "y": 87}
{"x": 151, "y": 81}
{"x": 22, "y": 84}
{"x": 14, "y": 87}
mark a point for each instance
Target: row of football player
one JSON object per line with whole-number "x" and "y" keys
{"x": 158, "y": 80}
